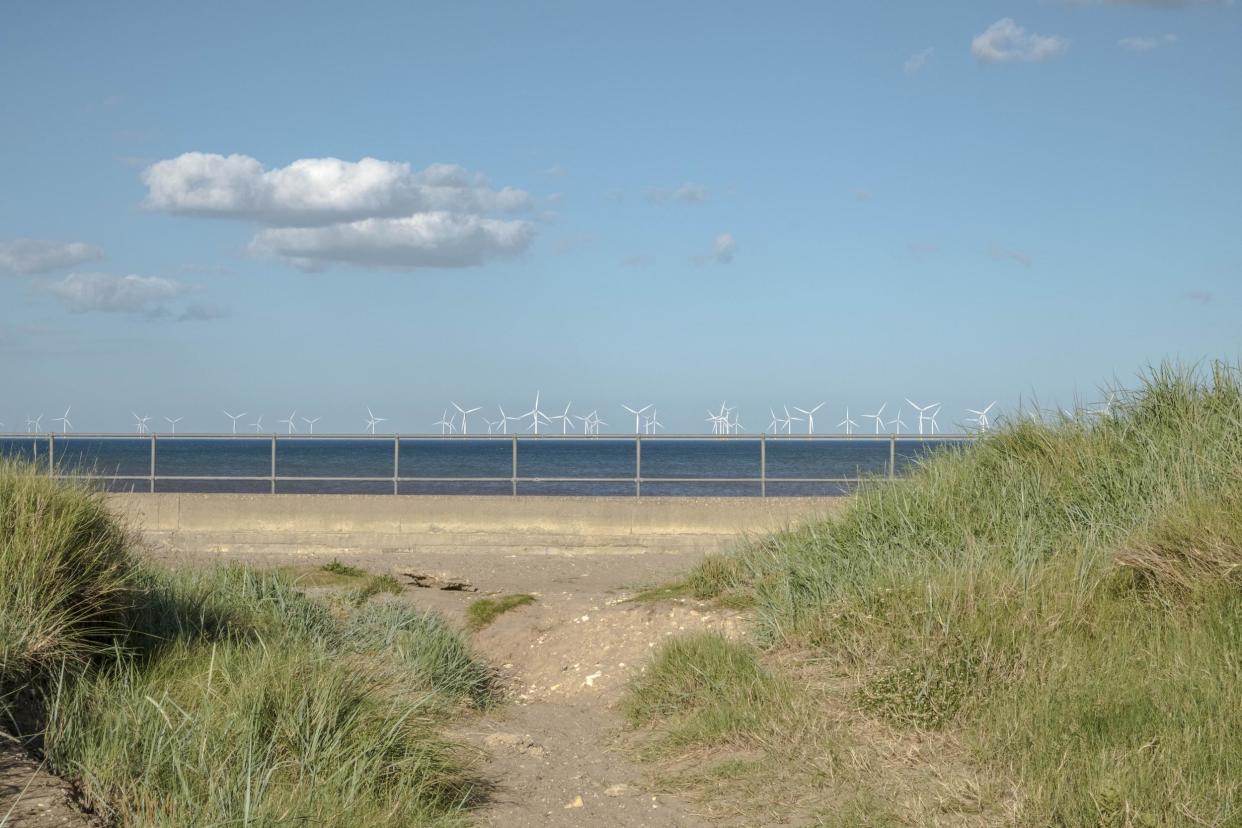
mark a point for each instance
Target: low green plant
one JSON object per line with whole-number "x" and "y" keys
{"x": 335, "y": 567}
{"x": 375, "y": 585}
{"x": 486, "y": 610}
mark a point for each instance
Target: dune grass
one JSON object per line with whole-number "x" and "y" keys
{"x": 486, "y": 610}
{"x": 222, "y": 696}
{"x": 1063, "y": 598}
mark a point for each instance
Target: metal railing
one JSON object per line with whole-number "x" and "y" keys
{"x": 763, "y": 479}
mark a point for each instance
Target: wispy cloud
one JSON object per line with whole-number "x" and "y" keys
{"x": 687, "y": 193}
{"x": 1146, "y": 44}
{"x": 1003, "y": 254}
{"x": 918, "y": 61}
{"x": 200, "y": 312}
{"x": 34, "y": 256}
{"x": 370, "y": 213}
{"x": 1201, "y": 296}
{"x": 637, "y": 261}
{"x": 724, "y": 248}
{"x": 1007, "y": 42}
{"x": 107, "y": 293}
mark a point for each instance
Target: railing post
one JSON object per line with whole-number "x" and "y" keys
{"x": 513, "y": 478}
{"x": 638, "y": 465}
{"x": 396, "y": 463}
{"x": 151, "y": 479}
{"x": 51, "y": 454}
{"x": 763, "y": 465}
{"x": 892, "y": 456}
{"x": 273, "y": 477}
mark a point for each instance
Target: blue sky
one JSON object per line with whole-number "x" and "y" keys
{"x": 650, "y": 203}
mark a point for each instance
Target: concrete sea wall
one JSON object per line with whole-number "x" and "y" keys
{"x": 342, "y": 524}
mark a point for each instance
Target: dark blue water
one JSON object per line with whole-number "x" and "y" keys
{"x": 795, "y": 466}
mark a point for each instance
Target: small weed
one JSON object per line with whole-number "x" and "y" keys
{"x": 374, "y": 586}
{"x": 486, "y": 610}
{"x": 335, "y": 567}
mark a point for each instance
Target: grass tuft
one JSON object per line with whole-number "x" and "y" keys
{"x": 335, "y": 567}
{"x": 486, "y": 610}
{"x": 375, "y": 585}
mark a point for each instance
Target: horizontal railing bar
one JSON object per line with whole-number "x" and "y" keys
{"x": 266, "y": 437}
{"x": 627, "y": 480}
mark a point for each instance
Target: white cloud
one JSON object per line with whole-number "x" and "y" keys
{"x": 85, "y": 292}
{"x": 1145, "y": 44}
{"x": 724, "y": 247}
{"x": 369, "y": 213}
{"x": 27, "y": 256}
{"x": 687, "y": 193}
{"x": 915, "y": 63}
{"x": 1006, "y": 42}
{"x": 423, "y": 240}
{"x": 317, "y": 191}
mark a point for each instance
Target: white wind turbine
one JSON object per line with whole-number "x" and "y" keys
{"x": 773, "y": 426}
{"x": 446, "y": 425}
{"x": 565, "y": 419}
{"x": 810, "y": 417}
{"x": 373, "y": 421}
{"x": 465, "y": 413}
{"x": 923, "y": 409}
{"x": 503, "y": 424}
{"x": 849, "y": 424}
{"x": 140, "y": 423}
{"x": 898, "y": 422}
{"x": 257, "y": 425}
{"x": 981, "y": 417}
{"x": 235, "y": 418}
{"x": 651, "y": 423}
{"x": 172, "y": 424}
{"x": 789, "y": 420}
{"x": 33, "y": 425}
{"x": 736, "y": 425}
{"x": 1106, "y": 408}
{"x": 931, "y": 419}
{"x": 65, "y": 425}
{"x": 637, "y": 414}
{"x": 535, "y": 416}
{"x": 310, "y": 423}
{"x": 878, "y": 417}
{"x": 290, "y": 421}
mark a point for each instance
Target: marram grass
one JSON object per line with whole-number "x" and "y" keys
{"x": 1064, "y": 597}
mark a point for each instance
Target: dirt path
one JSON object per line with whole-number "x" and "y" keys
{"x": 555, "y": 748}
{"x": 30, "y": 797}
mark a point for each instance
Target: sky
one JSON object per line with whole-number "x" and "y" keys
{"x": 264, "y": 207}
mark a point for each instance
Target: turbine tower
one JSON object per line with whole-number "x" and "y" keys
{"x": 878, "y": 417}
{"x": 465, "y": 413}
{"x": 292, "y": 425}
{"x": 235, "y": 418}
{"x": 311, "y": 423}
{"x": 172, "y": 424}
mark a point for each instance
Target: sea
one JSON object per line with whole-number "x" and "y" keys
{"x": 710, "y": 466}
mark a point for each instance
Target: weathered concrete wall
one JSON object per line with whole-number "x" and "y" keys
{"x": 340, "y": 524}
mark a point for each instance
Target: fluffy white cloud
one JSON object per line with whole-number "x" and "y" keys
{"x": 85, "y": 292}
{"x": 369, "y": 213}
{"x": 724, "y": 247}
{"x": 1006, "y": 42}
{"x": 1145, "y": 44}
{"x": 423, "y": 240}
{"x": 317, "y": 191}
{"x": 915, "y": 63}
{"x": 26, "y": 256}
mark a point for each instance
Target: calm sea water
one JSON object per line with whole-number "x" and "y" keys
{"x": 697, "y": 467}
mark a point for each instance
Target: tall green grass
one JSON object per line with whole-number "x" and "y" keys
{"x": 222, "y": 696}
{"x": 1063, "y": 595}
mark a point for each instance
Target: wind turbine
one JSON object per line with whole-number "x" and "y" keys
{"x": 292, "y": 426}
{"x": 140, "y": 423}
{"x": 923, "y": 409}
{"x": 172, "y": 424}
{"x": 258, "y": 424}
{"x": 878, "y": 417}
{"x": 503, "y": 425}
{"x": 535, "y": 416}
{"x": 981, "y": 417}
{"x": 637, "y": 414}
{"x": 445, "y": 424}
{"x": 897, "y": 421}
{"x": 33, "y": 425}
{"x": 235, "y": 418}
{"x": 311, "y": 423}
{"x": 810, "y": 417}
{"x": 772, "y": 426}
{"x": 565, "y": 418}
{"x": 465, "y": 413}
{"x": 65, "y": 425}
{"x": 372, "y": 421}
{"x": 650, "y": 424}
{"x": 849, "y": 424}
{"x": 789, "y": 420}
{"x": 735, "y": 426}
{"x": 1106, "y": 408}
{"x": 931, "y": 419}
